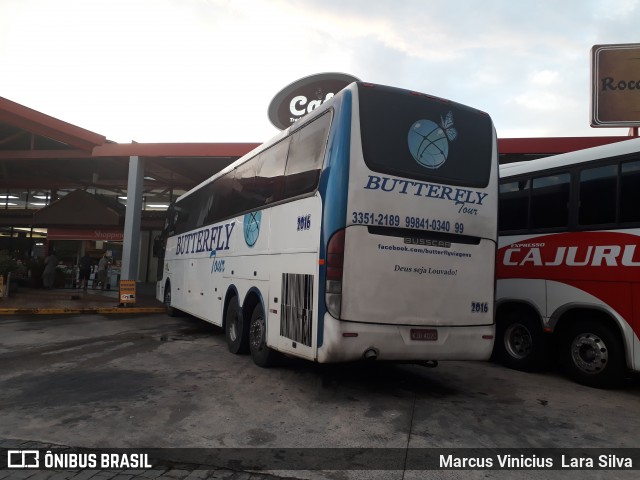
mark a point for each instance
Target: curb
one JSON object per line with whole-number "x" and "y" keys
{"x": 61, "y": 311}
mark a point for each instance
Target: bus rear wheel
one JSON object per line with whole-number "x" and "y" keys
{"x": 236, "y": 330}
{"x": 262, "y": 355}
{"x": 520, "y": 342}
{"x": 592, "y": 354}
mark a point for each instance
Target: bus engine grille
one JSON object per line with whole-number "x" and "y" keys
{"x": 296, "y": 312}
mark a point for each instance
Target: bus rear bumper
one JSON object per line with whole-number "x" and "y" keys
{"x": 352, "y": 341}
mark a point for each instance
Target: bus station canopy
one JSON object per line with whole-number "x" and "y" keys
{"x": 39, "y": 151}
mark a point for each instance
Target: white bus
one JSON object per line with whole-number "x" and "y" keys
{"x": 366, "y": 230}
{"x": 568, "y": 272}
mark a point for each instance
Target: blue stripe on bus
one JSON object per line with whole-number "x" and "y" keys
{"x": 333, "y": 188}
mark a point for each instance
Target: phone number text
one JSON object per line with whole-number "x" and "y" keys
{"x": 368, "y": 218}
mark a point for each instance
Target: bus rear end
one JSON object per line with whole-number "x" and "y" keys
{"x": 411, "y": 276}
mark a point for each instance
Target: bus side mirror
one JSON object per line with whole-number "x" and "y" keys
{"x": 156, "y": 246}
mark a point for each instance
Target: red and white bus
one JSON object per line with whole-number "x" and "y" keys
{"x": 568, "y": 273}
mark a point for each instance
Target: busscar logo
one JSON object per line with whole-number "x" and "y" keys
{"x": 427, "y": 242}
{"x": 23, "y": 459}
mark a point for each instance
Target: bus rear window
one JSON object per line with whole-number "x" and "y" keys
{"x": 424, "y": 138}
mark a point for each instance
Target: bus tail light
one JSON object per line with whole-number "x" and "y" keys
{"x": 334, "y": 264}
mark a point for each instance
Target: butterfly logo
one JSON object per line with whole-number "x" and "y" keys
{"x": 447, "y": 125}
{"x": 429, "y": 142}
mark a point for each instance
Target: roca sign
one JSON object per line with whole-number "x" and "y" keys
{"x": 305, "y": 95}
{"x": 615, "y": 85}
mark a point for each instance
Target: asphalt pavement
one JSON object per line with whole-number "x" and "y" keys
{"x": 133, "y": 382}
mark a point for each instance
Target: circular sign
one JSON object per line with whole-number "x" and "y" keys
{"x": 429, "y": 142}
{"x": 304, "y": 95}
{"x": 252, "y": 227}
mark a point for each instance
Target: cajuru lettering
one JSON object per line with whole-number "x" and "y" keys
{"x": 595, "y": 256}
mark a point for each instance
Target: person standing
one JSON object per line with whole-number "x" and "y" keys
{"x": 103, "y": 264}
{"x": 85, "y": 271}
{"x": 49, "y": 273}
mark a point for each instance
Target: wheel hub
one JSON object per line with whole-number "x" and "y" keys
{"x": 589, "y": 353}
{"x": 518, "y": 341}
{"x": 256, "y": 334}
{"x": 233, "y": 329}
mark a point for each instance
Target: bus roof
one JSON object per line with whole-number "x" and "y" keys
{"x": 624, "y": 147}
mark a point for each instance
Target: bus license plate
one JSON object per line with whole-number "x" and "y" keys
{"x": 425, "y": 334}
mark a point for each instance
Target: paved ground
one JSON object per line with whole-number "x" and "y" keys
{"x": 28, "y": 301}
{"x": 150, "y": 381}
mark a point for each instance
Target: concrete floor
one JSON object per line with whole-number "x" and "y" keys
{"x": 155, "y": 381}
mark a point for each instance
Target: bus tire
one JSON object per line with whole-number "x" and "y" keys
{"x": 520, "y": 342}
{"x": 236, "y": 328}
{"x": 592, "y": 354}
{"x": 262, "y": 355}
{"x": 171, "y": 311}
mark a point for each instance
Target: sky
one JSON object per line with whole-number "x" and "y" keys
{"x": 206, "y": 70}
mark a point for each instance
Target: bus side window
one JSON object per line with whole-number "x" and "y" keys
{"x": 170, "y": 221}
{"x": 550, "y": 201}
{"x": 514, "y": 205}
{"x": 245, "y": 186}
{"x": 598, "y": 189}
{"x": 306, "y": 154}
{"x": 188, "y": 214}
{"x": 202, "y": 205}
{"x": 220, "y": 197}
{"x": 270, "y": 173}
{"x": 180, "y": 217}
{"x": 630, "y": 191}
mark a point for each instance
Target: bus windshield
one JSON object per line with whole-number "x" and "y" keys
{"x": 387, "y": 114}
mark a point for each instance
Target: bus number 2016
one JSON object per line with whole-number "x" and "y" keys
{"x": 304, "y": 222}
{"x": 479, "y": 307}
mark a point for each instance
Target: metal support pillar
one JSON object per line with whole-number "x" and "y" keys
{"x": 132, "y": 219}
